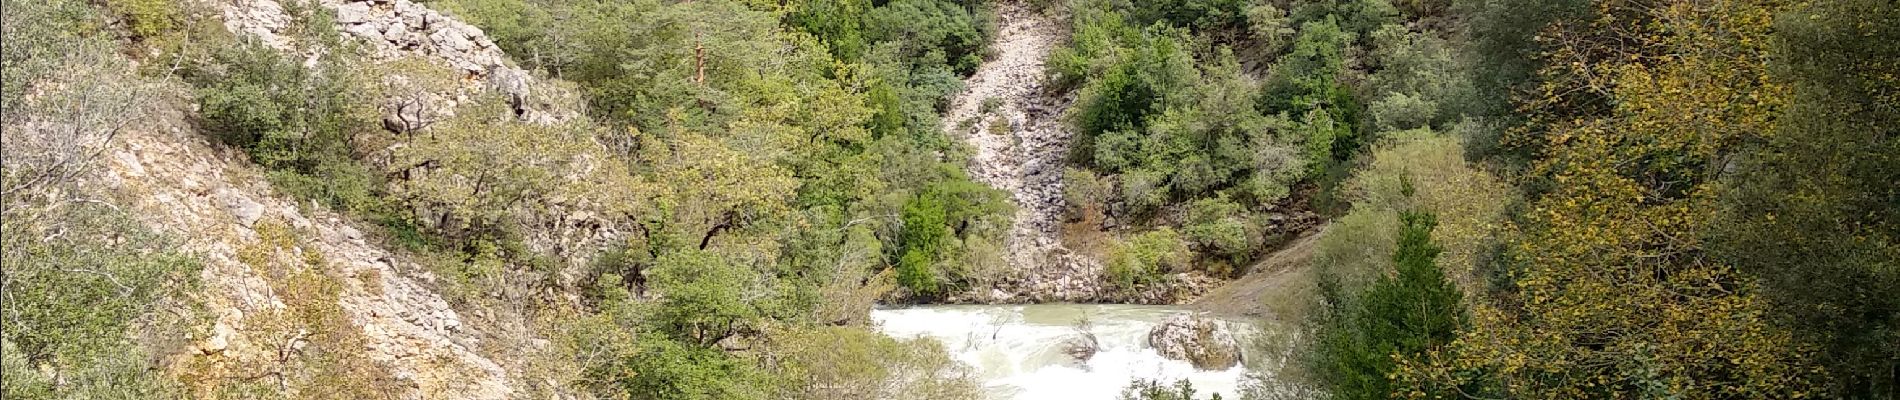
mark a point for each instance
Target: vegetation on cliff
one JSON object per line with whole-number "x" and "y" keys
{"x": 1527, "y": 199}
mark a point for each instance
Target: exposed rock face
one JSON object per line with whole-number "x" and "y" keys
{"x": 572, "y": 229}
{"x": 1026, "y": 161}
{"x": 403, "y": 28}
{"x": 177, "y": 181}
{"x": 1205, "y": 342}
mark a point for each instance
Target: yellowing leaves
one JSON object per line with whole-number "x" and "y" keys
{"x": 1615, "y": 295}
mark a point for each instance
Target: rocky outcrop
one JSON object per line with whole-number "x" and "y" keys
{"x": 402, "y": 30}
{"x": 178, "y": 182}
{"x": 1205, "y": 342}
{"x": 396, "y": 29}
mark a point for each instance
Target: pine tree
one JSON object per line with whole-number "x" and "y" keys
{"x": 1401, "y": 315}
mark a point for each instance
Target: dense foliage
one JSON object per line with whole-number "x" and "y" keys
{"x": 1527, "y": 199}
{"x": 1397, "y": 317}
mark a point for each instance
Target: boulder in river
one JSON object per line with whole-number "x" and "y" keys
{"x": 1205, "y": 342}
{"x": 1082, "y": 347}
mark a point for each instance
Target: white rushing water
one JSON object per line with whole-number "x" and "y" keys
{"x": 1017, "y": 351}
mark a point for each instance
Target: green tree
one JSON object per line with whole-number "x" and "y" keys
{"x": 1615, "y": 292}
{"x": 1400, "y": 316}
{"x": 930, "y": 31}
{"x": 1306, "y": 82}
{"x": 857, "y": 363}
{"x": 837, "y": 23}
{"x": 1811, "y": 210}
{"x": 924, "y": 235}
{"x": 301, "y": 123}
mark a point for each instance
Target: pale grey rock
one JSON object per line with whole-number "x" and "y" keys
{"x": 1205, "y": 342}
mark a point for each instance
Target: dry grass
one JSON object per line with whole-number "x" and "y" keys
{"x": 1280, "y": 287}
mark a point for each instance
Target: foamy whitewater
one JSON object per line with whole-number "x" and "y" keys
{"x": 1017, "y": 351}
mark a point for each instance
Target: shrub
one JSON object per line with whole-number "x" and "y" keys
{"x": 298, "y": 122}
{"x": 838, "y": 23}
{"x": 1220, "y": 227}
{"x": 1144, "y": 389}
{"x": 1086, "y": 193}
{"x": 663, "y": 369}
{"x": 856, "y": 363}
{"x": 477, "y": 174}
{"x": 1144, "y": 191}
{"x": 1146, "y": 258}
{"x": 147, "y": 18}
{"x": 1357, "y": 248}
{"x": 1471, "y": 202}
{"x": 1271, "y": 26}
{"x": 1211, "y": 16}
{"x": 954, "y": 33}
{"x": 1400, "y": 111}
{"x": 991, "y": 104}
{"x": 924, "y": 236}
{"x": 82, "y": 281}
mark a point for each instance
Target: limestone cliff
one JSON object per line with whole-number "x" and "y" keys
{"x": 178, "y": 181}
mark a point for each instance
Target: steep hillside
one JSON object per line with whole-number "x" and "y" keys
{"x": 179, "y": 183}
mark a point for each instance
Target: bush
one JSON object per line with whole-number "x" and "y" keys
{"x": 856, "y": 363}
{"x": 1143, "y": 389}
{"x": 147, "y": 18}
{"x": 954, "y": 33}
{"x": 1400, "y": 111}
{"x": 837, "y": 23}
{"x": 298, "y": 122}
{"x": 1471, "y": 202}
{"x": 478, "y": 174}
{"x": 1209, "y": 16}
{"x": 663, "y": 369}
{"x": 1270, "y": 26}
{"x": 82, "y": 282}
{"x": 1221, "y": 228}
{"x": 1144, "y": 191}
{"x": 1086, "y": 194}
{"x": 1146, "y": 258}
{"x": 670, "y": 348}
{"x": 938, "y": 221}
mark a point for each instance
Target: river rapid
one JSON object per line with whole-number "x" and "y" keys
{"x": 1017, "y": 351}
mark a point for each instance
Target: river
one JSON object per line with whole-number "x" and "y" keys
{"x": 1017, "y": 351}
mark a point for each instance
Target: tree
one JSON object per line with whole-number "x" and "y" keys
{"x": 1503, "y": 55}
{"x": 481, "y": 173}
{"x": 924, "y": 235}
{"x": 83, "y": 95}
{"x": 926, "y": 31}
{"x": 1403, "y": 315}
{"x": 838, "y": 23}
{"x": 1615, "y": 292}
{"x": 856, "y": 363}
{"x": 1811, "y": 208}
{"x": 1306, "y": 83}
